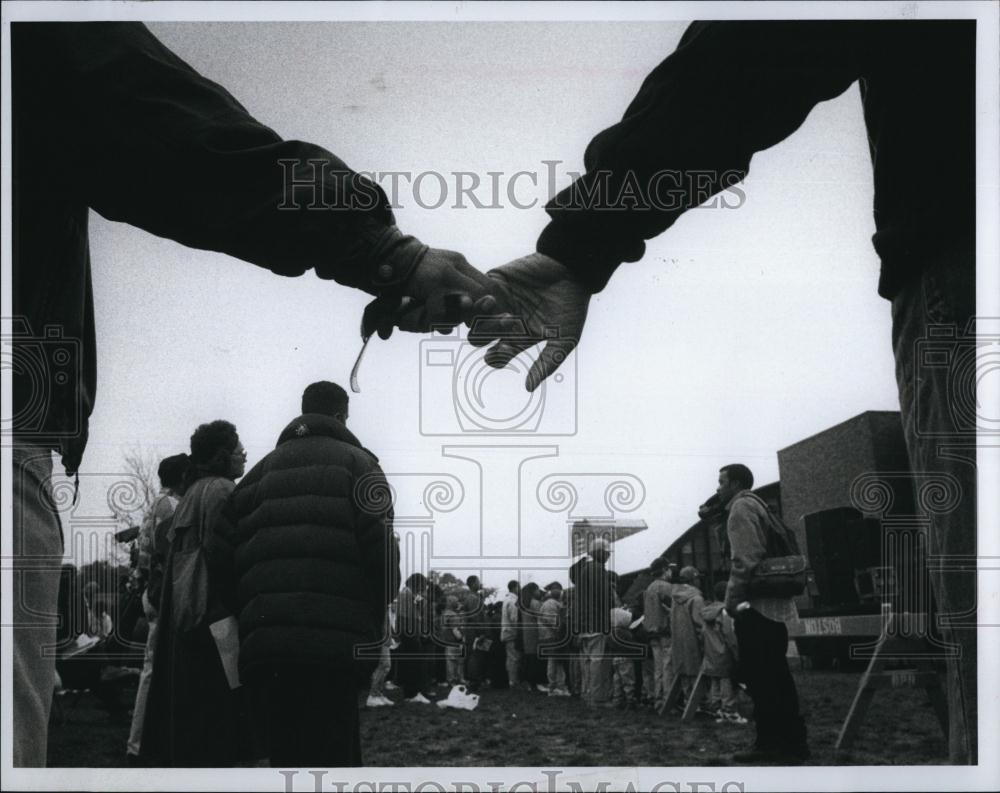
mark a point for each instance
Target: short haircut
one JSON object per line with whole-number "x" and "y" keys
{"x": 472, "y": 579}
{"x": 209, "y": 438}
{"x": 737, "y": 472}
{"x": 325, "y": 398}
{"x": 513, "y": 586}
{"x": 658, "y": 565}
{"x": 689, "y": 574}
{"x": 416, "y": 581}
{"x": 172, "y": 470}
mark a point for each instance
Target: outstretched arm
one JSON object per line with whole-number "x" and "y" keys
{"x": 729, "y": 90}
{"x": 149, "y": 141}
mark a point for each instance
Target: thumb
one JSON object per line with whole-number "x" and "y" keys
{"x": 552, "y": 357}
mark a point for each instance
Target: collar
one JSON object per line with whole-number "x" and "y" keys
{"x": 317, "y": 424}
{"x": 736, "y": 495}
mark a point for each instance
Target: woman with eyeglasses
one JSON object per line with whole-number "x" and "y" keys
{"x": 195, "y": 704}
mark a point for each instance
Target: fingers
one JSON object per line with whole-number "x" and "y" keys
{"x": 506, "y": 351}
{"x": 552, "y": 357}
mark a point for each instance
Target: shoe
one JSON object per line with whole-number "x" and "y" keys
{"x": 543, "y": 689}
{"x": 418, "y": 699}
{"x": 558, "y": 692}
{"x": 375, "y": 702}
{"x": 390, "y": 686}
{"x": 386, "y": 701}
{"x": 734, "y": 717}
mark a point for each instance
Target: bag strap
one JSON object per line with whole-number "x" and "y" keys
{"x": 781, "y": 540}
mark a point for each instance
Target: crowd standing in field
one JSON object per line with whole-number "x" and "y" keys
{"x": 275, "y": 607}
{"x": 245, "y": 617}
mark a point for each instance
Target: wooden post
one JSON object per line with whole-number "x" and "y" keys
{"x": 697, "y": 692}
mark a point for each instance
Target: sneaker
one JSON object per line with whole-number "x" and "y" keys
{"x": 734, "y": 718}
{"x": 387, "y": 701}
{"x": 559, "y": 692}
{"x": 543, "y": 689}
{"x": 376, "y": 702}
{"x": 418, "y": 699}
{"x": 390, "y": 686}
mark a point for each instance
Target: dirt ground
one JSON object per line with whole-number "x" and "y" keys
{"x": 516, "y": 728}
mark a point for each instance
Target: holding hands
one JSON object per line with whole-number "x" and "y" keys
{"x": 528, "y": 301}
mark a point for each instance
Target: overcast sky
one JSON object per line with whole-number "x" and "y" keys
{"x": 742, "y": 331}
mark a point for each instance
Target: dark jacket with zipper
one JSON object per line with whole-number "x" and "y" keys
{"x": 316, "y": 560}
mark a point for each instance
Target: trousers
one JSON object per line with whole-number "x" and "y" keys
{"x": 763, "y": 644}
{"x": 935, "y": 353}
{"x": 38, "y": 552}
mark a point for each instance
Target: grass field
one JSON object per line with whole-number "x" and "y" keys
{"x": 519, "y": 728}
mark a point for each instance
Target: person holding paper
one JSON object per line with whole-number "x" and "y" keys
{"x": 194, "y": 710}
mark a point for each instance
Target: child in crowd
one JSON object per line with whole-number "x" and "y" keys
{"x": 719, "y": 638}
{"x": 622, "y": 651}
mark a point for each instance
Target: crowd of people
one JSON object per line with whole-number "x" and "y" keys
{"x": 132, "y": 100}
{"x": 533, "y": 640}
{"x": 273, "y": 603}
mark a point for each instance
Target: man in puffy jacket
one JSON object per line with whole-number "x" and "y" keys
{"x": 317, "y": 565}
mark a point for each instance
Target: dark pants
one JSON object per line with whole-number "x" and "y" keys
{"x": 762, "y": 645}
{"x": 415, "y": 656}
{"x": 310, "y": 718}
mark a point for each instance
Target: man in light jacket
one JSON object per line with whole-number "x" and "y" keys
{"x": 510, "y": 633}
{"x": 656, "y": 620}
{"x": 761, "y": 633}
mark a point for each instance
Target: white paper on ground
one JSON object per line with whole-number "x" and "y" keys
{"x": 226, "y": 633}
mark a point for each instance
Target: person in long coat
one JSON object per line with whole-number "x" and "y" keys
{"x": 686, "y": 625}
{"x": 195, "y": 717}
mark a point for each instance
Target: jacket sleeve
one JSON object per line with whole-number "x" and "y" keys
{"x": 377, "y": 542}
{"x": 748, "y": 547}
{"x": 151, "y": 142}
{"x": 730, "y": 89}
{"x": 220, "y": 541}
{"x": 697, "y": 604}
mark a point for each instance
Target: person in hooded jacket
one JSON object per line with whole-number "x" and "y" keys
{"x": 686, "y": 625}
{"x": 317, "y": 565}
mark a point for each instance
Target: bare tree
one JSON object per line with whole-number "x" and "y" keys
{"x": 131, "y": 498}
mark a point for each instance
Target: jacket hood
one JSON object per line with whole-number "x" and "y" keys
{"x": 318, "y": 424}
{"x": 712, "y": 611}
{"x": 682, "y": 593}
